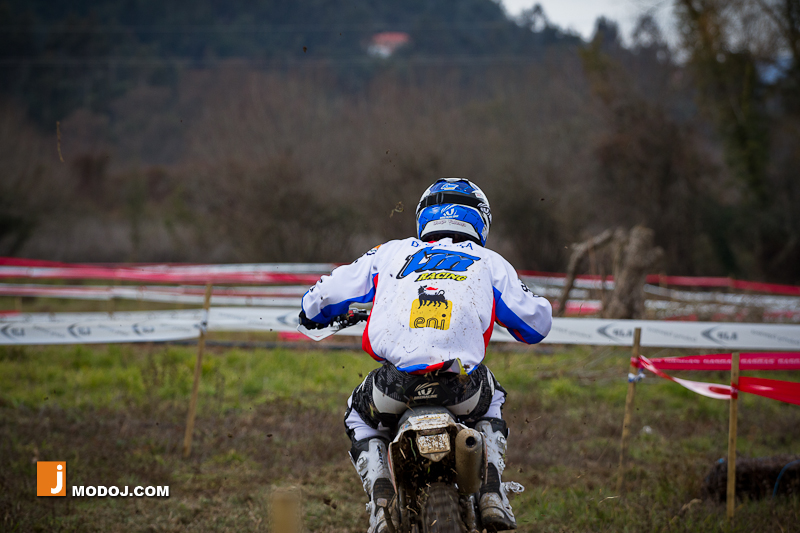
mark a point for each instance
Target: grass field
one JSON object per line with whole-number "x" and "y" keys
{"x": 272, "y": 418}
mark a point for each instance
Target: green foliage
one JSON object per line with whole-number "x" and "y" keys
{"x": 116, "y": 414}
{"x": 201, "y": 131}
{"x": 729, "y": 45}
{"x": 87, "y": 52}
{"x": 118, "y": 376}
{"x": 731, "y": 90}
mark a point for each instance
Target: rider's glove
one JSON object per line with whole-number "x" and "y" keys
{"x": 310, "y": 324}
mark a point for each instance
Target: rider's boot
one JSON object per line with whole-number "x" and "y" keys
{"x": 369, "y": 456}
{"x": 496, "y": 514}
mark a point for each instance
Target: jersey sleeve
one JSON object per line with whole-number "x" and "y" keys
{"x": 353, "y": 283}
{"x": 526, "y": 316}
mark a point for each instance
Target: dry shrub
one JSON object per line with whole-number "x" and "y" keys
{"x": 234, "y": 163}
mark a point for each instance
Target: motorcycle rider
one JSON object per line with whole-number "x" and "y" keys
{"x": 435, "y": 300}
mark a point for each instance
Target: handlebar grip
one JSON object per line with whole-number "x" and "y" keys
{"x": 352, "y": 317}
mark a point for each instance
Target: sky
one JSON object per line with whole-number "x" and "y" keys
{"x": 580, "y": 15}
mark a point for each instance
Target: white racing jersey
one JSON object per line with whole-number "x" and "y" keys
{"x": 434, "y": 303}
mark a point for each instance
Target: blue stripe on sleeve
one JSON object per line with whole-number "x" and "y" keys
{"x": 514, "y": 324}
{"x": 329, "y": 311}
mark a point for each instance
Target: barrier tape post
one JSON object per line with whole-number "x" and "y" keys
{"x": 732, "y": 436}
{"x": 626, "y": 422}
{"x": 18, "y": 304}
{"x": 198, "y": 367}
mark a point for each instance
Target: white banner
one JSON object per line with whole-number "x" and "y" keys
{"x": 270, "y": 296}
{"x": 150, "y": 326}
{"x": 88, "y": 331}
{"x": 138, "y": 326}
{"x": 773, "y": 308}
{"x": 673, "y": 334}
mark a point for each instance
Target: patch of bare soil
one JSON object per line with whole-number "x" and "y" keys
{"x": 235, "y": 455}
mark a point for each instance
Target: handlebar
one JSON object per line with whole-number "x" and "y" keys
{"x": 350, "y": 318}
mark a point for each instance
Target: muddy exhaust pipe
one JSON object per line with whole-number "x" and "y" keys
{"x": 469, "y": 460}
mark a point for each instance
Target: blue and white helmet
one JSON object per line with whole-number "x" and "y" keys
{"x": 454, "y": 205}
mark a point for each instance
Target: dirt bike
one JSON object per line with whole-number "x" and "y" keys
{"x": 437, "y": 464}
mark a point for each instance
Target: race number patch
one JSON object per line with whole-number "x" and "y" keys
{"x": 431, "y": 309}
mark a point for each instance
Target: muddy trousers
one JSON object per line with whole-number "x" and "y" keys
{"x": 376, "y": 405}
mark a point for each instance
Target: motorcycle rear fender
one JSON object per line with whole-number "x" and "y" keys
{"x": 425, "y": 420}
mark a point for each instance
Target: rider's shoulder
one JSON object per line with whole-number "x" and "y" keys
{"x": 497, "y": 260}
{"x": 411, "y": 242}
{"x": 388, "y": 245}
{"x": 486, "y": 252}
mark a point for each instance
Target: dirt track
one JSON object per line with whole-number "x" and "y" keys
{"x": 564, "y": 413}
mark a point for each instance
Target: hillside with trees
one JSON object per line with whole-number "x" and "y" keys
{"x": 264, "y": 131}
{"x": 85, "y": 53}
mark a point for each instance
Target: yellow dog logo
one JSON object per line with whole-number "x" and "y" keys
{"x": 431, "y": 309}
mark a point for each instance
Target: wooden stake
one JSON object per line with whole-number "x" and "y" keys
{"x": 198, "y": 367}
{"x": 732, "y": 436}
{"x": 18, "y": 304}
{"x": 626, "y": 422}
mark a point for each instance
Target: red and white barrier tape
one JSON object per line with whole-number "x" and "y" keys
{"x": 710, "y": 390}
{"x": 593, "y": 281}
{"x": 266, "y": 273}
{"x": 722, "y": 361}
{"x": 273, "y": 272}
{"x": 297, "y": 268}
{"x": 224, "y": 295}
{"x": 286, "y": 295}
{"x": 152, "y": 275}
{"x": 730, "y": 283}
{"x": 784, "y": 391}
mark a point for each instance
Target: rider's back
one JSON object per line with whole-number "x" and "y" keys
{"x": 435, "y": 299}
{"x": 433, "y": 302}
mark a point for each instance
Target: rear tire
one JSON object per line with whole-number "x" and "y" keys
{"x": 441, "y": 513}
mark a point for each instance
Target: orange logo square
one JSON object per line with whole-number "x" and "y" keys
{"x": 51, "y": 478}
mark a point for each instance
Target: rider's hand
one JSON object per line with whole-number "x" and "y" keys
{"x": 310, "y": 324}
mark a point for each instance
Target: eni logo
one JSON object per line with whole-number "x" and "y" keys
{"x": 437, "y": 298}
{"x": 430, "y": 310}
{"x": 437, "y": 259}
{"x": 51, "y": 478}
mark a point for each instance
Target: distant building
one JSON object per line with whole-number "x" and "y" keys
{"x": 387, "y": 43}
